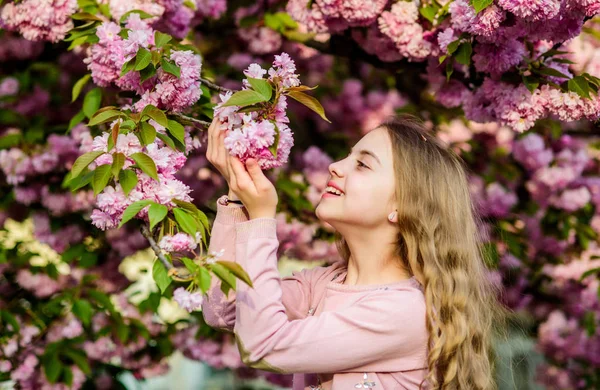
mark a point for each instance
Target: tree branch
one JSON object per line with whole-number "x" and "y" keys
{"x": 214, "y": 86}
{"x": 146, "y": 233}
{"x": 191, "y": 120}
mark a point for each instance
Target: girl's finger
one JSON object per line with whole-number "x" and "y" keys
{"x": 240, "y": 172}
{"x": 232, "y": 177}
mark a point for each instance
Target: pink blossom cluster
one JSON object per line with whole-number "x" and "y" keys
{"x": 353, "y": 108}
{"x": 179, "y": 242}
{"x": 561, "y": 336}
{"x": 164, "y": 90}
{"x": 252, "y": 134}
{"x": 260, "y": 39}
{"x": 39, "y": 20}
{"x": 213, "y": 9}
{"x": 15, "y": 47}
{"x": 519, "y": 108}
{"x": 401, "y": 25}
{"x": 59, "y": 239}
{"x": 112, "y": 202}
{"x": 556, "y": 173}
{"x": 297, "y": 241}
{"x": 189, "y": 301}
{"x": 218, "y": 354}
{"x": 493, "y": 199}
{"x": 57, "y": 156}
{"x": 40, "y": 284}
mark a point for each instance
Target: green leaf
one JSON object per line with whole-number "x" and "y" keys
{"x": 170, "y": 67}
{"x": 309, "y": 102}
{"x": 104, "y": 116}
{"x": 192, "y": 209}
{"x": 147, "y": 72}
{"x": 101, "y": 177}
{"x": 155, "y": 113}
{"x": 128, "y": 180}
{"x": 80, "y": 181}
{"x": 143, "y": 15}
{"x": 92, "y": 101}
{"x": 261, "y": 86}
{"x": 146, "y": 164}
{"x": 156, "y": 213}
{"x": 190, "y": 265}
{"x": 272, "y": 22}
{"x": 102, "y": 300}
{"x": 160, "y": 276}
{"x": 52, "y": 368}
{"x": 480, "y": 5}
{"x": 10, "y": 319}
{"x": 227, "y": 278}
{"x": 117, "y": 165}
{"x": 161, "y": 39}
{"x": 83, "y": 161}
{"x": 83, "y": 310}
{"x": 80, "y": 359}
{"x": 78, "y": 86}
{"x": 176, "y": 130}
{"x": 463, "y": 53}
{"x": 589, "y": 272}
{"x": 452, "y": 46}
{"x": 429, "y": 12}
{"x": 147, "y": 133}
{"x": 287, "y": 20}
{"x": 134, "y": 209}
{"x": 531, "y": 83}
{"x": 547, "y": 71}
{"x": 86, "y": 16}
{"x": 579, "y": 85}
{"x": 77, "y": 119}
{"x": 123, "y": 332}
{"x": 245, "y": 98}
{"x": 237, "y": 270}
{"x": 203, "y": 279}
{"x": 127, "y": 67}
{"x": 142, "y": 59}
{"x": 186, "y": 222}
{"x": 273, "y": 148}
{"x": 167, "y": 140}
{"x": 10, "y": 140}
{"x": 449, "y": 69}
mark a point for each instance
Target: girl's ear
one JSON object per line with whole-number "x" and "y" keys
{"x": 393, "y": 217}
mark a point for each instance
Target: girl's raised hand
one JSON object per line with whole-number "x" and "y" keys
{"x": 253, "y": 188}
{"x": 216, "y": 153}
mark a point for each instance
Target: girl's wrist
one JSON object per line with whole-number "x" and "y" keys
{"x": 232, "y": 196}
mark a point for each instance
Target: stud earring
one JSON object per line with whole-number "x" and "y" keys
{"x": 392, "y": 216}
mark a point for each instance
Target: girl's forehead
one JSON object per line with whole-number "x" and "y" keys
{"x": 377, "y": 141}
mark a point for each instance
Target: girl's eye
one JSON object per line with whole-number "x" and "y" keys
{"x": 361, "y": 164}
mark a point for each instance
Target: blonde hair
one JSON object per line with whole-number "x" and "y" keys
{"x": 439, "y": 243}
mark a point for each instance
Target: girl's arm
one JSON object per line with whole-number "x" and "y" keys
{"x": 379, "y": 331}
{"x": 219, "y": 310}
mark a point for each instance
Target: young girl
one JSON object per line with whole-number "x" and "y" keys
{"x": 410, "y": 307}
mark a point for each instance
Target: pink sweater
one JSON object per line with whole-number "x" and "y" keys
{"x": 312, "y": 323}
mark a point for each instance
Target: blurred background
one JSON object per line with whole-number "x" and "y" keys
{"x": 510, "y": 86}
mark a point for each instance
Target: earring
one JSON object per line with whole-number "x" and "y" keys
{"x": 392, "y": 216}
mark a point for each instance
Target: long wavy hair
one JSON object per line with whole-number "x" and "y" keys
{"x": 439, "y": 242}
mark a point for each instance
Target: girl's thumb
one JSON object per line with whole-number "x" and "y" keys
{"x": 253, "y": 168}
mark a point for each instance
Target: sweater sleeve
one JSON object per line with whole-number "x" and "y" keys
{"x": 383, "y": 330}
{"x": 219, "y": 310}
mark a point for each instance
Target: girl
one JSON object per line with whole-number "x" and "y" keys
{"x": 410, "y": 307}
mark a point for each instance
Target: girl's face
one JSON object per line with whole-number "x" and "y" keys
{"x": 366, "y": 180}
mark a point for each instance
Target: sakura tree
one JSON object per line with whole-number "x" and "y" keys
{"x": 108, "y": 197}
